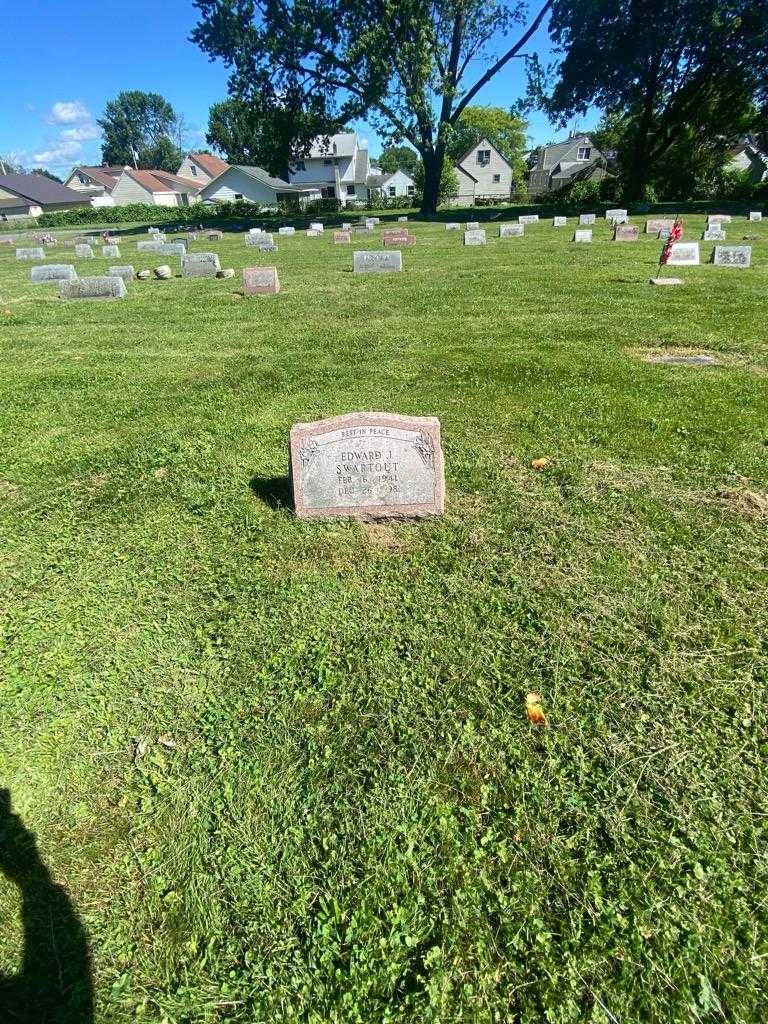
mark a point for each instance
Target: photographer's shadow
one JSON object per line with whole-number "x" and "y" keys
{"x": 54, "y": 984}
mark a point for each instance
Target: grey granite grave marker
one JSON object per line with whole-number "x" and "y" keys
{"x": 511, "y": 230}
{"x": 52, "y": 272}
{"x": 719, "y": 218}
{"x": 342, "y": 237}
{"x": 127, "y": 272}
{"x": 367, "y": 465}
{"x": 200, "y": 264}
{"x": 346, "y": 225}
{"x": 626, "y": 233}
{"x": 684, "y": 254}
{"x": 582, "y": 235}
{"x": 110, "y": 251}
{"x": 587, "y": 218}
{"x": 171, "y": 249}
{"x": 215, "y": 236}
{"x": 150, "y": 246}
{"x": 84, "y": 252}
{"x": 311, "y": 233}
{"x": 267, "y": 247}
{"x": 714, "y": 234}
{"x": 528, "y": 218}
{"x": 559, "y": 222}
{"x": 755, "y": 215}
{"x": 473, "y": 225}
{"x": 618, "y": 215}
{"x": 732, "y": 256}
{"x": 262, "y": 238}
{"x": 260, "y": 281}
{"x": 474, "y": 237}
{"x": 316, "y": 226}
{"x": 93, "y": 288}
{"x": 385, "y": 262}
{"x": 402, "y": 220}
{"x": 285, "y": 230}
{"x": 452, "y": 226}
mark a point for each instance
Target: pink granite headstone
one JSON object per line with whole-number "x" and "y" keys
{"x": 398, "y": 237}
{"x": 342, "y": 237}
{"x": 367, "y": 465}
{"x": 260, "y": 281}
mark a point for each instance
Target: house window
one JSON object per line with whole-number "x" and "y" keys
{"x": 392, "y": 190}
{"x": 483, "y": 157}
{"x": 238, "y": 195}
{"x": 350, "y": 190}
{"x": 327, "y": 163}
{"x": 496, "y": 179}
{"x": 328, "y": 193}
{"x": 411, "y": 189}
{"x": 194, "y": 170}
{"x": 583, "y": 153}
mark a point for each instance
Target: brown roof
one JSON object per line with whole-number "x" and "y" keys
{"x": 104, "y": 175}
{"x": 214, "y": 165}
{"x": 161, "y": 181}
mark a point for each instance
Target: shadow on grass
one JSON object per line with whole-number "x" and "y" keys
{"x": 54, "y": 985}
{"x": 274, "y": 491}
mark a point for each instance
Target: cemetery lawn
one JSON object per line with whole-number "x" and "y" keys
{"x": 283, "y": 768}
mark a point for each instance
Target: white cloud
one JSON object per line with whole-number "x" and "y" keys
{"x": 68, "y": 112}
{"x": 82, "y": 134}
{"x": 59, "y": 153}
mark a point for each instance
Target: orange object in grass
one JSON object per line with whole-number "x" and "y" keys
{"x": 534, "y": 709}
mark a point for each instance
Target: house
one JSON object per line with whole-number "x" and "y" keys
{"x": 157, "y": 187}
{"x": 483, "y": 173}
{"x": 400, "y": 183}
{"x": 29, "y": 195}
{"x": 253, "y": 184}
{"x": 337, "y": 167}
{"x": 562, "y": 163}
{"x": 202, "y": 167}
{"x": 747, "y": 157}
{"x": 95, "y": 181}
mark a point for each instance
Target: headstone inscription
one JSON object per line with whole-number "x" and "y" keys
{"x": 732, "y": 256}
{"x": 684, "y": 254}
{"x": 367, "y": 465}
{"x": 346, "y": 225}
{"x": 618, "y": 215}
{"x": 316, "y": 226}
{"x": 586, "y": 218}
{"x": 52, "y": 272}
{"x": 626, "y": 233}
{"x": 473, "y": 225}
{"x": 93, "y": 288}
{"x": 474, "y": 237}
{"x": 452, "y": 226}
{"x": 342, "y": 237}
{"x": 402, "y": 220}
{"x": 127, "y": 272}
{"x": 714, "y": 234}
{"x": 262, "y": 238}
{"x": 511, "y": 230}
{"x": 171, "y": 249}
{"x": 393, "y": 237}
{"x": 370, "y": 223}
{"x": 559, "y": 222}
{"x": 200, "y": 264}
{"x": 285, "y": 230}
{"x": 84, "y": 252}
{"x": 260, "y": 281}
{"x": 528, "y": 218}
{"x": 110, "y": 251}
{"x": 267, "y": 247}
{"x": 150, "y": 246}
{"x": 664, "y": 234}
{"x": 755, "y": 215}
{"x": 582, "y": 235}
{"x": 719, "y": 218}
{"x": 311, "y": 233}
{"x": 33, "y": 253}
{"x": 377, "y": 262}
{"x": 656, "y": 224}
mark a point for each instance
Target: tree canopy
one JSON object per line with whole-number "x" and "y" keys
{"x": 46, "y": 174}
{"x": 669, "y": 68}
{"x": 405, "y": 65}
{"x": 141, "y": 128}
{"x": 398, "y": 158}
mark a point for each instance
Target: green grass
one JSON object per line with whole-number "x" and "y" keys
{"x": 356, "y": 822}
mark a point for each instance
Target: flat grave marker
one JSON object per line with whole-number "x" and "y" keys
{"x": 311, "y": 233}
{"x": 260, "y": 281}
{"x": 684, "y": 254}
{"x": 200, "y": 264}
{"x": 367, "y": 465}
{"x": 150, "y": 246}
{"x": 714, "y": 234}
{"x": 93, "y": 288}
{"x": 370, "y": 262}
{"x": 34, "y": 253}
{"x": 719, "y": 218}
{"x": 511, "y": 230}
{"x": 52, "y": 272}
{"x": 285, "y": 230}
{"x": 395, "y": 237}
{"x": 732, "y": 256}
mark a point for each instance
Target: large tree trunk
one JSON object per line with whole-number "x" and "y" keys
{"x": 433, "y": 169}
{"x": 639, "y": 171}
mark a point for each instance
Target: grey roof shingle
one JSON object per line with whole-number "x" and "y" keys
{"x": 41, "y": 190}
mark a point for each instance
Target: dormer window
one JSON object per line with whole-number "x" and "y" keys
{"x": 483, "y": 157}
{"x": 194, "y": 170}
{"x": 584, "y": 153}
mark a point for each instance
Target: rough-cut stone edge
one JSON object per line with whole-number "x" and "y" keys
{"x": 666, "y": 280}
{"x": 120, "y": 292}
{"x": 429, "y": 424}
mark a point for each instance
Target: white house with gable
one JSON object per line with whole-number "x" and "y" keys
{"x": 253, "y": 184}
{"x": 400, "y": 183}
{"x": 483, "y": 173}
{"x": 335, "y": 168}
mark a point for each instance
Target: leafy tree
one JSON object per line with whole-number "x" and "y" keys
{"x": 503, "y": 129}
{"x": 46, "y": 174}
{"x": 669, "y": 66}
{"x": 449, "y": 182}
{"x": 398, "y": 158}
{"x": 404, "y": 64}
{"x": 141, "y": 128}
{"x": 8, "y": 165}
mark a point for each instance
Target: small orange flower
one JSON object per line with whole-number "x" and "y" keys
{"x": 540, "y": 463}
{"x": 534, "y": 709}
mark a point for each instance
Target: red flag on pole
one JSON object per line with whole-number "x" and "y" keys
{"x": 674, "y": 236}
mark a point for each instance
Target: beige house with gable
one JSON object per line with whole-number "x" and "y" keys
{"x": 483, "y": 173}
{"x": 156, "y": 187}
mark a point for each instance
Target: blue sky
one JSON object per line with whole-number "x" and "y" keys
{"x": 83, "y": 56}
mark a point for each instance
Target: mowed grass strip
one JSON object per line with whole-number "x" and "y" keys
{"x": 283, "y": 768}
